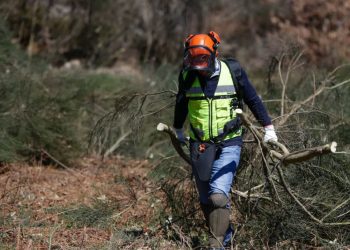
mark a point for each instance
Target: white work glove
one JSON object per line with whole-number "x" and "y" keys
{"x": 180, "y": 135}
{"x": 270, "y": 133}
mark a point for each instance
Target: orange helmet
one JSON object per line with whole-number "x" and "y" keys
{"x": 200, "y": 51}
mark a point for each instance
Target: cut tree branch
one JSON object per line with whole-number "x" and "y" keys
{"x": 285, "y": 156}
{"x": 117, "y": 144}
{"x": 176, "y": 144}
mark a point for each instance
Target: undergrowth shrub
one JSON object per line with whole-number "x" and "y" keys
{"x": 97, "y": 215}
{"x": 47, "y": 114}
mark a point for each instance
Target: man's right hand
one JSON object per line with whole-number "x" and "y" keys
{"x": 180, "y": 135}
{"x": 270, "y": 134}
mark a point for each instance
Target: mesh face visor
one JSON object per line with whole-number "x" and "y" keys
{"x": 199, "y": 58}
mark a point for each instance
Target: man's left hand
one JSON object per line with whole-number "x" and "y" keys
{"x": 180, "y": 135}
{"x": 270, "y": 134}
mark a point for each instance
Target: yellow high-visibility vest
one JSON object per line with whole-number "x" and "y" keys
{"x": 208, "y": 116}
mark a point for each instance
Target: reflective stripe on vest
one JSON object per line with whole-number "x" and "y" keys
{"x": 208, "y": 116}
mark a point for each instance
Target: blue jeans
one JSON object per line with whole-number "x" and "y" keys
{"x": 221, "y": 179}
{"x": 222, "y": 174}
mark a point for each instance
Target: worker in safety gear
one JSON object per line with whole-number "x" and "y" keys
{"x": 210, "y": 90}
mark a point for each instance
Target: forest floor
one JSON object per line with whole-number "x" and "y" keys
{"x": 97, "y": 205}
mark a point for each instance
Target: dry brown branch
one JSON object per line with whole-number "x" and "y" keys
{"x": 275, "y": 154}
{"x": 317, "y": 91}
{"x": 339, "y": 84}
{"x": 247, "y": 195}
{"x": 335, "y": 209}
{"x": 289, "y": 191}
{"x": 60, "y": 163}
{"x": 165, "y": 128}
{"x": 314, "y": 87}
{"x": 117, "y": 143}
{"x": 292, "y": 65}
{"x": 245, "y": 120}
{"x": 343, "y": 214}
{"x": 281, "y": 146}
{"x": 283, "y": 84}
{"x": 158, "y": 110}
{"x": 267, "y": 171}
{"x": 185, "y": 240}
{"x": 285, "y": 156}
{"x": 154, "y": 146}
{"x": 306, "y": 154}
{"x": 146, "y": 96}
{"x": 297, "y": 106}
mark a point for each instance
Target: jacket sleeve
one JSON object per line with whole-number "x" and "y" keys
{"x": 253, "y": 101}
{"x": 181, "y": 105}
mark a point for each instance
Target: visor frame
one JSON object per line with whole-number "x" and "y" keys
{"x": 188, "y": 65}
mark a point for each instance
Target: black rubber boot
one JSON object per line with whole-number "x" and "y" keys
{"x": 219, "y": 220}
{"x": 217, "y": 216}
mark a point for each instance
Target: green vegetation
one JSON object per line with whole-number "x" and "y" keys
{"x": 48, "y": 111}
{"x": 98, "y": 215}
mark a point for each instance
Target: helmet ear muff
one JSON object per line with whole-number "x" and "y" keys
{"x": 216, "y": 39}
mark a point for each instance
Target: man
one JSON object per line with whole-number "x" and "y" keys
{"x": 209, "y": 92}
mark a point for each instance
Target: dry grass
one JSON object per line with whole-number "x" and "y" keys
{"x": 41, "y": 206}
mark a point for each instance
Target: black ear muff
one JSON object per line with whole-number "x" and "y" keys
{"x": 216, "y": 42}
{"x": 213, "y": 37}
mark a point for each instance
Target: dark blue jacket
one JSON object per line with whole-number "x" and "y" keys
{"x": 209, "y": 85}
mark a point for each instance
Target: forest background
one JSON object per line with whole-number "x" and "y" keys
{"x": 85, "y": 83}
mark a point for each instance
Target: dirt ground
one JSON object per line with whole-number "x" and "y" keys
{"x": 85, "y": 207}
